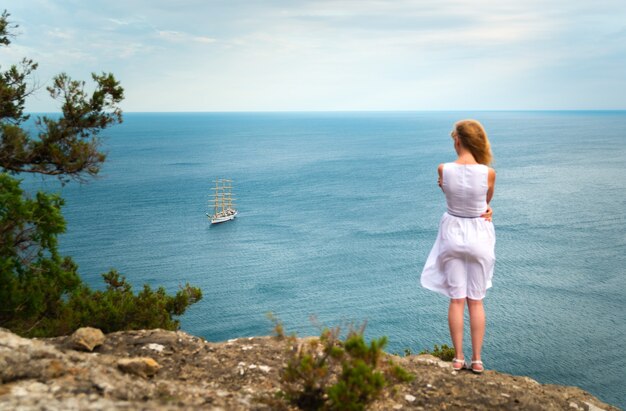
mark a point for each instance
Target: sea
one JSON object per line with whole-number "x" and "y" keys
{"x": 337, "y": 214}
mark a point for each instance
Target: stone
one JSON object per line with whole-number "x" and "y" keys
{"x": 154, "y": 347}
{"x": 161, "y": 337}
{"x": 142, "y": 366}
{"x": 19, "y": 391}
{"x": 593, "y": 407}
{"x": 431, "y": 359}
{"x": 530, "y": 380}
{"x": 86, "y": 338}
{"x": 192, "y": 374}
{"x": 21, "y": 358}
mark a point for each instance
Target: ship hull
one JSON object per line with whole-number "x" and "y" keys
{"x": 223, "y": 219}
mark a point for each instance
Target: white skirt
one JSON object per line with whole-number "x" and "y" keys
{"x": 461, "y": 262}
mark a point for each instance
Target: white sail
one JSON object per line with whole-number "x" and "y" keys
{"x": 222, "y": 201}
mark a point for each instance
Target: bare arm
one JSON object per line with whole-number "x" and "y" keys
{"x": 491, "y": 180}
{"x": 440, "y": 179}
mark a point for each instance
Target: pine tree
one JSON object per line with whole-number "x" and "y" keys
{"x": 41, "y": 293}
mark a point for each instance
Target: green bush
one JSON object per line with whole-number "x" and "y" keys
{"x": 41, "y": 293}
{"x": 118, "y": 308}
{"x": 445, "y": 353}
{"x": 359, "y": 382}
{"x": 331, "y": 374}
{"x": 278, "y": 328}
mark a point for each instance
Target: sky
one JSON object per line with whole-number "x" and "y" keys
{"x": 331, "y": 55}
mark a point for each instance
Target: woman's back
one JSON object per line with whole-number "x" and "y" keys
{"x": 465, "y": 187}
{"x": 460, "y": 263}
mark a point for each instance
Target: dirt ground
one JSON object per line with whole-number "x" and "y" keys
{"x": 240, "y": 374}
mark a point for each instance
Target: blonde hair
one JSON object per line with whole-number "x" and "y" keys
{"x": 473, "y": 137}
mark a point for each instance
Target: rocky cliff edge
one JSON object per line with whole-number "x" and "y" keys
{"x": 164, "y": 370}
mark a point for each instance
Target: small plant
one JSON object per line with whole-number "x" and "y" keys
{"x": 278, "y": 329}
{"x": 333, "y": 374}
{"x": 444, "y": 353}
{"x": 359, "y": 382}
{"x": 399, "y": 373}
{"x": 306, "y": 377}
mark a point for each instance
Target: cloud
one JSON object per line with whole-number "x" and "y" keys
{"x": 120, "y": 22}
{"x": 338, "y": 54}
{"x": 60, "y": 34}
{"x": 181, "y": 37}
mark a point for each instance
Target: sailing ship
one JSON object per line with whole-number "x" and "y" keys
{"x": 222, "y": 201}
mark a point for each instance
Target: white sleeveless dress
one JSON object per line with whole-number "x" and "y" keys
{"x": 461, "y": 262}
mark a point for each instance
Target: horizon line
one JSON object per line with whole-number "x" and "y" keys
{"x": 346, "y": 111}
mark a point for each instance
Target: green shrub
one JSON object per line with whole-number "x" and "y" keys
{"x": 359, "y": 382}
{"x": 278, "y": 328}
{"x": 399, "y": 373}
{"x": 118, "y": 308}
{"x": 41, "y": 293}
{"x": 331, "y": 374}
{"x": 306, "y": 377}
{"x": 445, "y": 353}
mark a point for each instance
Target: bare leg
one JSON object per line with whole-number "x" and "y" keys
{"x": 477, "y": 328}
{"x": 455, "y": 321}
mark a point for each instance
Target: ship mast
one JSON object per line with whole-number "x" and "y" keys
{"x": 223, "y": 194}
{"x": 216, "y": 196}
{"x": 227, "y": 194}
{"x": 222, "y": 201}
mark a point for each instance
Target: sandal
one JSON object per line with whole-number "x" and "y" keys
{"x": 474, "y": 370}
{"x": 456, "y": 361}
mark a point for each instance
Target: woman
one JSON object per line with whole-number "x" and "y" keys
{"x": 460, "y": 264}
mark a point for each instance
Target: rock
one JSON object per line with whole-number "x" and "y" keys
{"x": 158, "y": 336}
{"x": 19, "y": 392}
{"x": 593, "y": 407}
{"x": 143, "y": 366}
{"x": 530, "y": 380}
{"x": 21, "y": 358}
{"x": 431, "y": 359}
{"x": 195, "y": 374}
{"x": 86, "y": 339}
{"x": 154, "y": 347}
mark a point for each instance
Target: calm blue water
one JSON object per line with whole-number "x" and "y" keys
{"x": 338, "y": 212}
